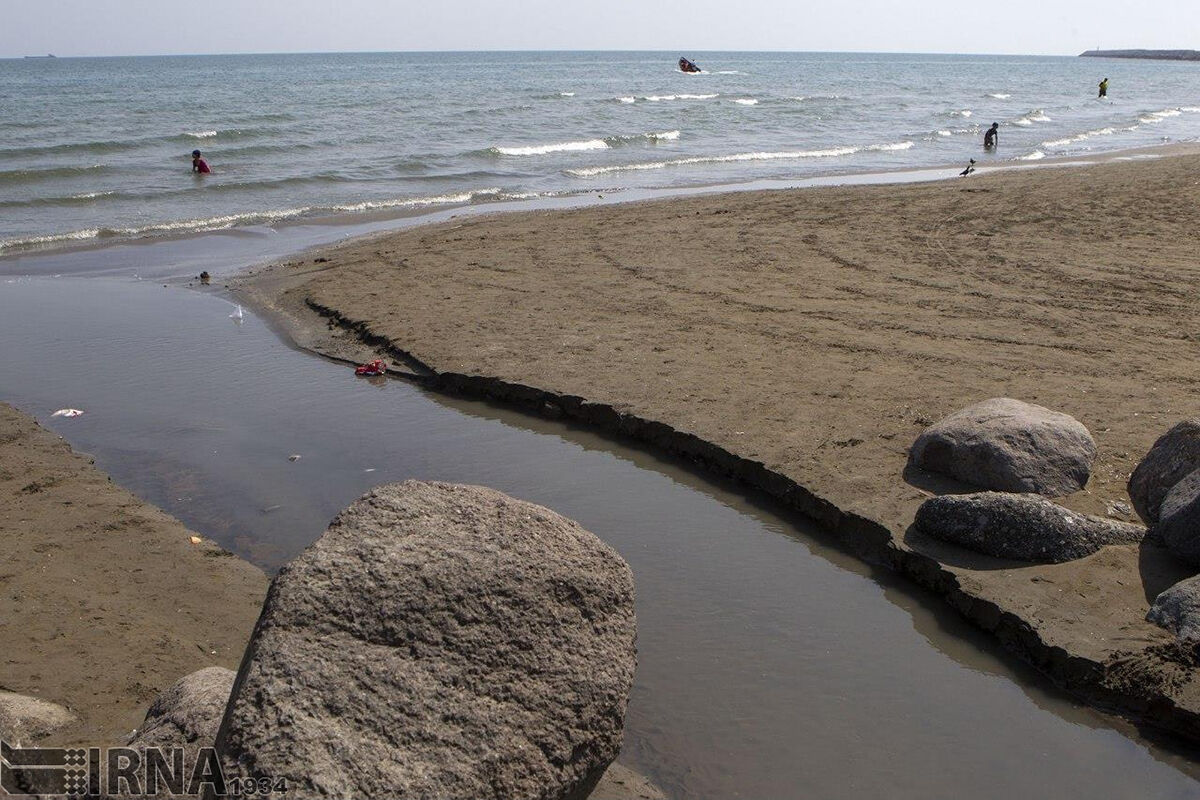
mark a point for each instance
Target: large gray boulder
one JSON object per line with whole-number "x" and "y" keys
{"x": 438, "y": 641}
{"x": 189, "y": 712}
{"x": 1009, "y": 446}
{"x": 1179, "y": 519}
{"x": 1173, "y": 456}
{"x": 1178, "y": 609}
{"x": 1020, "y": 526}
{"x": 26, "y": 720}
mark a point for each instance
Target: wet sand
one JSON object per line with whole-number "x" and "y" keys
{"x": 106, "y": 600}
{"x": 811, "y": 335}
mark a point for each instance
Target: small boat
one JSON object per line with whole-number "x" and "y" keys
{"x": 687, "y": 66}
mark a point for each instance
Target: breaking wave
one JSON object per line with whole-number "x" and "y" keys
{"x": 832, "y": 152}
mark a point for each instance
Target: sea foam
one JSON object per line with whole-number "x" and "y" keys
{"x": 543, "y": 149}
{"x": 832, "y": 152}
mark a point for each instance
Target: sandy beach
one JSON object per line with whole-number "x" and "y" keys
{"x": 808, "y": 336}
{"x": 107, "y": 600}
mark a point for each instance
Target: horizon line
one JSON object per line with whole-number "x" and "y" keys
{"x": 545, "y": 50}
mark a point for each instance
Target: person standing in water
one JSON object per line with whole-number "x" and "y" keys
{"x": 992, "y": 137}
{"x": 198, "y": 163}
{"x": 1103, "y": 88}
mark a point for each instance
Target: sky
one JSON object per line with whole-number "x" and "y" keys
{"x": 155, "y": 27}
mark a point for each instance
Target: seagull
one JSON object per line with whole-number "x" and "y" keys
{"x": 970, "y": 168}
{"x": 236, "y": 316}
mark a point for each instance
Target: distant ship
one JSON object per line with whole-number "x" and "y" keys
{"x": 48, "y": 55}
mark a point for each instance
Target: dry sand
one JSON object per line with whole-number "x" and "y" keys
{"x": 818, "y": 331}
{"x": 106, "y": 602}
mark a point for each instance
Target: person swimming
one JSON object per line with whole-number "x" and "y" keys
{"x": 198, "y": 163}
{"x": 992, "y": 137}
{"x": 1103, "y": 88}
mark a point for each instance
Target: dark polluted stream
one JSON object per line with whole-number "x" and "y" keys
{"x": 771, "y": 664}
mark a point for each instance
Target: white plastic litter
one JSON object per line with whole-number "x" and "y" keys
{"x": 67, "y": 412}
{"x": 237, "y": 315}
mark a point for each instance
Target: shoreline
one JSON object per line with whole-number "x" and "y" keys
{"x": 302, "y": 234}
{"x": 108, "y": 600}
{"x": 1121, "y": 663}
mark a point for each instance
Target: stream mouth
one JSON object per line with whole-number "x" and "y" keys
{"x": 771, "y": 663}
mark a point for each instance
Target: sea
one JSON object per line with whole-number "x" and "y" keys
{"x": 98, "y": 149}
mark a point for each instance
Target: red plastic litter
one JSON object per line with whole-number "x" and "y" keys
{"x": 374, "y": 368}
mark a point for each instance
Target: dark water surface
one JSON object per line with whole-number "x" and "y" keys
{"x": 771, "y": 664}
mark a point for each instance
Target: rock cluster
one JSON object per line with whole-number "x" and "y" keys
{"x": 1008, "y": 445}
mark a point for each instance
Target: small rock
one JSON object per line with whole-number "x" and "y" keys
{"x": 1178, "y": 609}
{"x": 187, "y": 713}
{"x": 1010, "y": 446}
{"x": 1179, "y": 519}
{"x": 1119, "y": 508}
{"x": 25, "y": 720}
{"x": 1173, "y": 456}
{"x": 1020, "y": 526}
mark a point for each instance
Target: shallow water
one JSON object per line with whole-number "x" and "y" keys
{"x": 771, "y": 665}
{"x": 97, "y": 148}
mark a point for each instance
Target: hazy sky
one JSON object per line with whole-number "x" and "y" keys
{"x": 120, "y": 27}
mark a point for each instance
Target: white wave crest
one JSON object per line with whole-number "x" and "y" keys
{"x": 566, "y": 94}
{"x": 1079, "y": 137}
{"x": 966, "y": 112}
{"x": 832, "y": 152}
{"x": 543, "y": 149}
{"x": 999, "y": 96}
{"x": 627, "y": 99}
{"x": 1155, "y": 117}
{"x": 417, "y": 202}
{"x": 746, "y": 101}
{"x": 944, "y": 133}
{"x": 1036, "y": 155}
{"x": 200, "y": 134}
{"x": 727, "y": 72}
{"x": 659, "y": 98}
{"x": 89, "y": 233}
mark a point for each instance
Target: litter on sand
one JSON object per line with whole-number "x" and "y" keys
{"x": 375, "y": 367}
{"x": 68, "y": 412}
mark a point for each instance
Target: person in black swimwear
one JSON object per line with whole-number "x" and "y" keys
{"x": 992, "y": 137}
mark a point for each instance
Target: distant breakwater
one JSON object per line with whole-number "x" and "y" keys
{"x": 1160, "y": 55}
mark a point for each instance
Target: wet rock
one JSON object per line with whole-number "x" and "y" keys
{"x": 1179, "y": 519}
{"x": 1020, "y": 526}
{"x": 189, "y": 712}
{"x": 27, "y": 720}
{"x": 1009, "y": 446}
{"x": 438, "y": 641}
{"x": 1173, "y": 456}
{"x": 1178, "y": 610}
